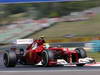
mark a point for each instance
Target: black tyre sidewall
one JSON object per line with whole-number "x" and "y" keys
{"x": 46, "y": 56}
{"x": 10, "y": 59}
{"x": 81, "y": 52}
{"x": 80, "y": 65}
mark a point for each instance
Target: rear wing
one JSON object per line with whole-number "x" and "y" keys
{"x": 23, "y": 41}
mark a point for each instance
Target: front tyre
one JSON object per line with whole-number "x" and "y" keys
{"x": 80, "y": 65}
{"x": 81, "y": 52}
{"x": 47, "y": 56}
{"x": 9, "y": 59}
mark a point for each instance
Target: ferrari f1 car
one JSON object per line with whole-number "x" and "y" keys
{"x": 39, "y": 51}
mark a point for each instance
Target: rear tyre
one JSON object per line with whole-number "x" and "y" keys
{"x": 9, "y": 59}
{"x": 81, "y": 52}
{"x": 47, "y": 55}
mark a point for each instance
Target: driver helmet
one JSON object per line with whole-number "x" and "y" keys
{"x": 46, "y": 45}
{"x": 41, "y": 37}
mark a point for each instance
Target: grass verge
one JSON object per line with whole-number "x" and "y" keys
{"x": 90, "y": 27}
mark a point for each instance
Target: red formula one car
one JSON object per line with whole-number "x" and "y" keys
{"x": 39, "y": 51}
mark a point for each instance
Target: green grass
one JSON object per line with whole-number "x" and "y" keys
{"x": 11, "y": 18}
{"x": 90, "y": 27}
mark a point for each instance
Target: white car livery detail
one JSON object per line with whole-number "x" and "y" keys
{"x": 86, "y": 60}
{"x": 24, "y": 41}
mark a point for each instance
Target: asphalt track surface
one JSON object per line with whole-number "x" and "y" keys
{"x": 39, "y": 70}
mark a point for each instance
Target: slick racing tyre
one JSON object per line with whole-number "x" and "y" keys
{"x": 46, "y": 56}
{"x": 9, "y": 59}
{"x": 80, "y": 65}
{"x": 81, "y": 52}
